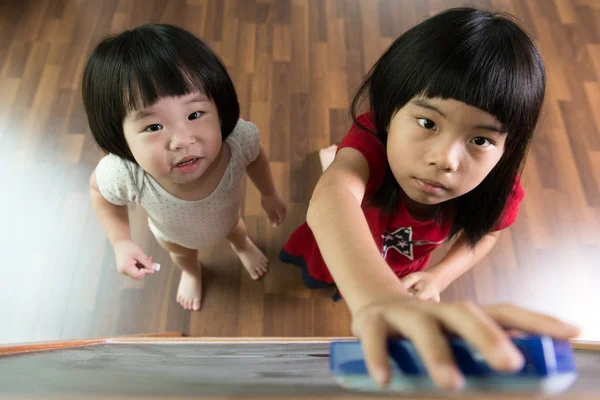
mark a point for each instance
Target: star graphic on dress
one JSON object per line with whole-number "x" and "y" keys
{"x": 401, "y": 241}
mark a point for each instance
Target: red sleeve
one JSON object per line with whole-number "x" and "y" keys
{"x": 511, "y": 209}
{"x": 370, "y": 147}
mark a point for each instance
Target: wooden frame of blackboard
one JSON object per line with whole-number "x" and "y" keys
{"x": 174, "y": 337}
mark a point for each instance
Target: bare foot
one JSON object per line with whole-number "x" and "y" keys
{"x": 326, "y": 155}
{"x": 252, "y": 258}
{"x": 189, "y": 293}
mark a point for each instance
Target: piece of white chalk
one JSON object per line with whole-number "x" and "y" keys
{"x": 156, "y": 267}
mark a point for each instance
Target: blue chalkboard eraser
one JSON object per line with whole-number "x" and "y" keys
{"x": 549, "y": 367}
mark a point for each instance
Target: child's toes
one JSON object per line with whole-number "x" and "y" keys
{"x": 196, "y": 304}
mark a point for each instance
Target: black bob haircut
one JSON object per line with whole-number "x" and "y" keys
{"x": 480, "y": 58}
{"x": 133, "y": 69}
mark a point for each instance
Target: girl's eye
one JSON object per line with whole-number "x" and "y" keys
{"x": 426, "y": 123}
{"x": 195, "y": 115}
{"x": 481, "y": 141}
{"x": 153, "y": 128}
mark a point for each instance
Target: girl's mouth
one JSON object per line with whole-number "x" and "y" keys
{"x": 188, "y": 165}
{"x": 188, "y": 162}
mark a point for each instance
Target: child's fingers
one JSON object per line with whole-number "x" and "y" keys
{"x": 147, "y": 271}
{"x": 281, "y": 215}
{"x": 144, "y": 260}
{"x": 134, "y": 272}
{"x": 475, "y": 326}
{"x": 428, "y": 293}
{"x": 277, "y": 217}
{"x": 433, "y": 347}
{"x": 410, "y": 280}
{"x": 516, "y": 333}
{"x": 510, "y": 316}
{"x": 143, "y": 272}
{"x": 373, "y": 338}
{"x": 421, "y": 286}
{"x": 424, "y": 291}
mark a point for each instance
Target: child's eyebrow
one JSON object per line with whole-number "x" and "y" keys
{"x": 197, "y": 99}
{"x": 143, "y": 114}
{"x": 427, "y": 105}
{"x": 491, "y": 128}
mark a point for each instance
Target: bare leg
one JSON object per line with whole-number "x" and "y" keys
{"x": 326, "y": 155}
{"x": 189, "y": 292}
{"x": 251, "y": 257}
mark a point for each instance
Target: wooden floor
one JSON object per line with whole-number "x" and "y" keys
{"x": 295, "y": 64}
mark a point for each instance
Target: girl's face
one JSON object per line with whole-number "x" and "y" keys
{"x": 441, "y": 149}
{"x": 177, "y": 138}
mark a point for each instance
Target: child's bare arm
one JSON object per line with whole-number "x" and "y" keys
{"x": 460, "y": 258}
{"x": 114, "y": 219}
{"x": 260, "y": 174}
{"x": 428, "y": 284}
{"x": 115, "y": 222}
{"x": 341, "y": 230}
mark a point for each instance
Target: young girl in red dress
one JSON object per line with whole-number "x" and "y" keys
{"x": 453, "y": 103}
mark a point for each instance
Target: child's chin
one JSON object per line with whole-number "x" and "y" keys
{"x": 424, "y": 202}
{"x": 186, "y": 179}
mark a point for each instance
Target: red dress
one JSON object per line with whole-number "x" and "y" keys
{"x": 405, "y": 243}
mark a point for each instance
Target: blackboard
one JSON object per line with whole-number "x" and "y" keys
{"x": 197, "y": 367}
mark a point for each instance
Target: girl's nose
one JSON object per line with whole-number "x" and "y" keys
{"x": 446, "y": 157}
{"x": 183, "y": 138}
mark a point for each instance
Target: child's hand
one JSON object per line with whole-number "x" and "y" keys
{"x": 422, "y": 285}
{"x": 131, "y": 260}
{"x": 424, "y": 324}
{"x": 275, "y": 208}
